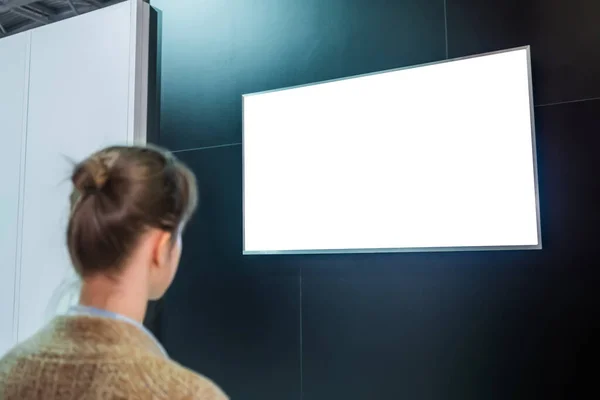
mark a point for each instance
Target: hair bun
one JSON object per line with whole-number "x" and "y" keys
{"x": 92, "y": 174}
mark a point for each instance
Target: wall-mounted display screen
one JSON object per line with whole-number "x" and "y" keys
{"x": 437, "y": 157}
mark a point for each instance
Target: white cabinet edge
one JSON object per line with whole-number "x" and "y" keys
{"x": 138, "y": 74}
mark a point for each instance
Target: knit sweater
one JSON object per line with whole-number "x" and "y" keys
{"x": 91, "y": 358}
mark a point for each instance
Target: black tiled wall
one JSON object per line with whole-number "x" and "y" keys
{"x": 499, "y": 325}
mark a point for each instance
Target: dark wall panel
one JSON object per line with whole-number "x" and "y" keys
{"x": 564, "y": 36}
{"x": 242, "y": 333}
{"x": 481, "y": 26}
{"x": 214, "y": 51}
{"x": 568, "y": 136}
{"x": 456, "y": 330}
{"x": 566, "y": 39}
{"x": 425, "y": 331}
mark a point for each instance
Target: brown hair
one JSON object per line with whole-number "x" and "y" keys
{"x": 119, "y": 193}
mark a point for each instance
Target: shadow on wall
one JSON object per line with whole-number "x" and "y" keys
{"x": 152, "y": 320}
{"x": 154, "y": 74}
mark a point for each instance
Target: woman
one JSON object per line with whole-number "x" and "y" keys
{"x": 128, "y": 209}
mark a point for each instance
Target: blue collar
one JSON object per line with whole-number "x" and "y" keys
{"x": 80, "y": 310}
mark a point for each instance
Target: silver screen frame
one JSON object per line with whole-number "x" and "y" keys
{"x": 539, "y": 246}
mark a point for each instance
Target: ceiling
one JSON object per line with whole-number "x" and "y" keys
{"x": 21, "y": 15}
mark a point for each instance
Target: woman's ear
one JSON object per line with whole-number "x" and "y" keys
{"x": 162, "y": 248}
{"x": 166, "y": 253}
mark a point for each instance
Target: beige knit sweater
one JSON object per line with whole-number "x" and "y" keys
{"x": 90, "y": 358}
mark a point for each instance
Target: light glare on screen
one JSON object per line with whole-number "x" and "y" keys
{"x": 433, "y": 157}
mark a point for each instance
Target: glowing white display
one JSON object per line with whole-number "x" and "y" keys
{"x": 436, "y": 157}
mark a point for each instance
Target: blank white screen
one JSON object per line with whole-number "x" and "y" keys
{"x": 433, "y": 157}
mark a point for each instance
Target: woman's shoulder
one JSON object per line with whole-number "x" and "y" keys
{"x": 135, "y": 374}
{"x": 168, "y": 376}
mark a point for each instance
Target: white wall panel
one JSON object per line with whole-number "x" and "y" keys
{"x": 14, "y": 54}
{"x": 80, "y": 99}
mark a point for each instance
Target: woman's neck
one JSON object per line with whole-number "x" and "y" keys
{"x": 126, "y": 297}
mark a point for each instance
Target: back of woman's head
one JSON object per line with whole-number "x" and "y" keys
{"x": 119, "y": 194}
